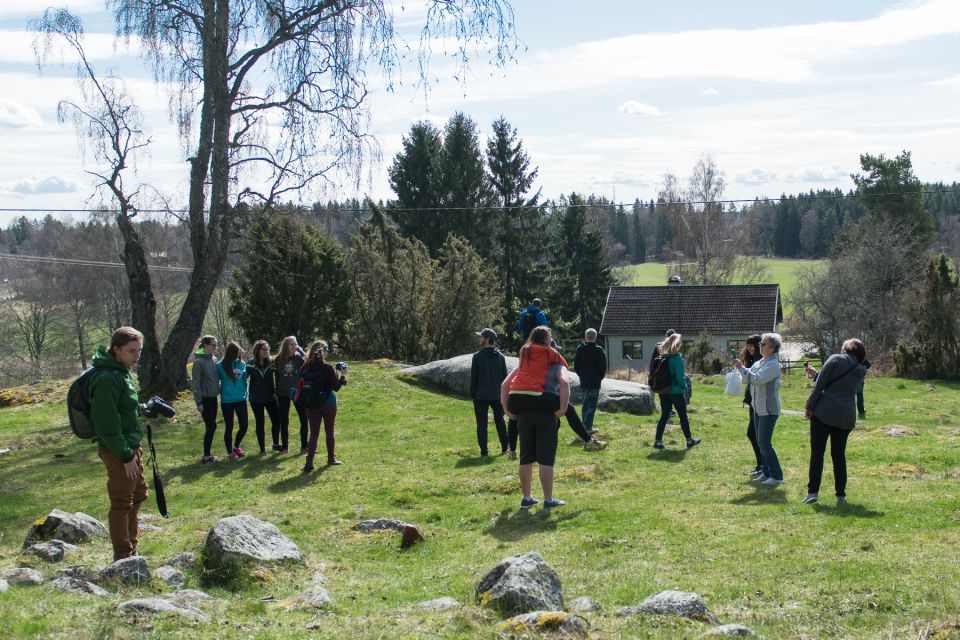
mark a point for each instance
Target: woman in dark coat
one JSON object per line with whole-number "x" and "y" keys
{"x": 749, "y": 355}
{"x": 832, "y": 411}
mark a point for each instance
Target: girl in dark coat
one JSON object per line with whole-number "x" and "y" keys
{"x": 263, "y": 393}
{"x": 287, "y": 363}
{"x": 320, "y": 402}
{"x": 749, "y": 355}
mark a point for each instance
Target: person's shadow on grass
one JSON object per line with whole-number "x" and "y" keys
{"x": 667, "y": 455}
{"x": 761, "y": 495}
{"x": 190, "y": 472}
{"x": 514, "y": 524}
{"x": 847, "y": 510}
{"x": 298, "y": 481}
{"x": 473, "y": 461}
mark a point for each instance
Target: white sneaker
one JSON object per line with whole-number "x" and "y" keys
{"x": 760, "y": 478}
{"x": 771, "y": 482}
{"x": 810, "y": 499}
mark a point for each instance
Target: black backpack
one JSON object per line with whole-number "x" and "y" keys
{"x": 312, "y": 392}
{"x": 659, "y": 379}
{"x": 529, "y": 324}
{"x": 78, "y": 402}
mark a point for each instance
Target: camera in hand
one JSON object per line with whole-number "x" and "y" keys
{"x": 341, "y": 366}
{"x": 156, "y": 407}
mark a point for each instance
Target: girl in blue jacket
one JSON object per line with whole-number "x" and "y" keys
{"x": 233, "y": 397}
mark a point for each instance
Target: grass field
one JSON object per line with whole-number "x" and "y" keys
{"x": 637, "y": 521}
{"x": 782, "y": 271}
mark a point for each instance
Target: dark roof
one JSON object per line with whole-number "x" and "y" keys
{"x": 690, "y": 309}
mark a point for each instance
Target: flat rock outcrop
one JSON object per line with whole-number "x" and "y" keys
{"x": 240, "y": 540}
{"x": 672, "y": 603}
{"x": 453, "y": 374}
{"x": 74, "y": 528}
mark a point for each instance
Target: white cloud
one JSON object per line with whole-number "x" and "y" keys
{"x": 19, "y": 48}
{"x": 948, "y": 81}
{"x": 13, "y": 8}
{"x": 826, "y": 175}
{"x": 42, "y": 184}
{"x": 710, "y": 91}
{"x": 15, "y": 115}
{"x": 754, "y": 177}
{"x": 634, "y": 108}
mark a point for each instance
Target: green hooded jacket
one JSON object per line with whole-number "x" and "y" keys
{"x": 114, "y": 414}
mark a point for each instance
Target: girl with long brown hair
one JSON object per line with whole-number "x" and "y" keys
{"x": 233, "y": 398}
{"x": 287, "y": 362}
{"x": 316, "y": 393}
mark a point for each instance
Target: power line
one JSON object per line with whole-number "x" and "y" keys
{"x": 800, "y": 197}
{"x": 86, "y": 263}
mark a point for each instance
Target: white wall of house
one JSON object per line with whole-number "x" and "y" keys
{"x": 615, "y": 348}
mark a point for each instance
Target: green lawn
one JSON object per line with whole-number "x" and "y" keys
{"x": 782, "y": 271}
{"x": 637, "y": 521}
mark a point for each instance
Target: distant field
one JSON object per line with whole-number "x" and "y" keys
{"x": 782, "y": 271}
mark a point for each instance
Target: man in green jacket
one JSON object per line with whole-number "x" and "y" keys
{"x": 114, "y": 409}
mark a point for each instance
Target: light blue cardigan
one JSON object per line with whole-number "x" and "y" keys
{"x": 764, "y": 380}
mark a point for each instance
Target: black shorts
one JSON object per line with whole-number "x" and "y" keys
{"x": 518, "y": 403}
{"x": 538, "y": 437}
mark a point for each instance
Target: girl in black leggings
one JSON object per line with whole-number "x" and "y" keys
{"x": 205, "y": 381}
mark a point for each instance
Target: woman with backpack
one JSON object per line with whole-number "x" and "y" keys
{"x": 263, "y": 393}
{"x": 669, "y": 381}
{"x": 318, "y": 382}
{"x": 114, "y": 408}
{"x": 832, "y": 411}
{"x": 233, "y": 398}
{"x": 763, "y": 376}
{"x": 205, "y": 382}
{"x": 748, "y": 355}
{"x": 287, "y": 363}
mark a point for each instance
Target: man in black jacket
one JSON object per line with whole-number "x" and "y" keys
{"x": 487, "y": 372}
{"x": 590, "y": 363}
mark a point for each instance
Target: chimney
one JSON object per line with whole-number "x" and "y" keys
{"x": 674, "y": 281}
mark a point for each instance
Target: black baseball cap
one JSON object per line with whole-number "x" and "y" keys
{"x": 487, "y": 333}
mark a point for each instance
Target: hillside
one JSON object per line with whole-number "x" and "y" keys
{"x": 636, "y": 521}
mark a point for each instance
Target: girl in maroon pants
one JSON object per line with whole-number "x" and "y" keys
{"x": 316, "y": 393}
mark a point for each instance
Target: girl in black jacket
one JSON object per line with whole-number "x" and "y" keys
{"x": 287, "y": 364}
{"x": 749, "y": 355}
{"x": 263, "y": 393}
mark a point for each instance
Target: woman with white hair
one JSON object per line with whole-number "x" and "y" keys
{"x": 764, "y": 380}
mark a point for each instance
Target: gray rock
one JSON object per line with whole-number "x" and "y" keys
{"x": 4, "y": 585}
{"x": 75, "y": 528}
{"x": 584, "y": 604}
{"x": 78, "y": 572}
{"x": 560, "y": 623}
{"x": 239, "y": 540}
{"x": 319, "y": 578}
{"x": 439, "y": 604}
{"x": 132, "y": 571}
{"x": 521, "y": 584}
{"x": 672, "y": 603}
{"x": 169, "y": 575}
{"x": 149, "y": 528}
{"x": 51, "y": 550}
{"x": 615, "y": 395}
{"x": 22, "y": 575}
{"x": 190, "y": 597}
{"x": 160, "y": 605}
{"x": 368, "y": 526}
{"x": 730, "y": 630}
{"x": 315, "y": 597}
{"x": 181, "y": 561}
{"x": 76, "y": 585}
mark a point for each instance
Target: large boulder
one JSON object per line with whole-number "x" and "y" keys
{"x": 76, "y": 585}
{"x": 22, "y": 575}
{"x": 70, "y": 527}
{"x": 453, "y": 374}
{"x": 521, "y": 584}
{"x": 242, "y": 540}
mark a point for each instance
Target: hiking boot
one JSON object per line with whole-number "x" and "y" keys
{"x": 526, "y": 503}
{"x": 658, "y": 445}
{"x": 307, "y": 468}
{"x": 277, "y": 447}
{"x": 240, "y": 452}
{"x": 234, "y": 455}
{"x": 513, "y": 454}
{"x": 207, "y": 459}
{"x": 692, "y": 442}
{"x": 841, "y": 500}
{"x": 810, "y": 499}
{"x": 554, "y": 502}
{"x": 595, "y": 445}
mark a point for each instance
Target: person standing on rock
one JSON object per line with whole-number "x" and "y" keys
{"x": 316, "y": 393}
{"x": 205, "y": 382}
{"x": 487, "y": 372}
{"x": 590, "y": 363}
{"x": 536, "y": 394}
{"x": 114, "y": 409}
{"x": 288, "y": 362}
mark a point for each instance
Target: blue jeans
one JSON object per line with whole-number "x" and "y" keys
{"x": 771, "y": 464}
{"x": 590, "y": 398}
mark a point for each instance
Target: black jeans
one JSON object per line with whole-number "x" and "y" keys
{"x": 752, "y": 436}
{"x": 668, "y": 402}
{"x": 209, "y": 414}
{"x": 819, "y": 433}
{"x": 229, "y": 409}
{"x": 274, "y": 412}
{"x": 480, "y": 413}
{"x": 284, "y": 405}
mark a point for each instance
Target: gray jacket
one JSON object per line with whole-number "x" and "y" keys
{"x": 764, "y": 380}
{"x": 205, "y": 379}
{"x": 834, "y": 397}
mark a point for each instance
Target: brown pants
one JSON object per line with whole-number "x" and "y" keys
{"x": 125, "y": 498}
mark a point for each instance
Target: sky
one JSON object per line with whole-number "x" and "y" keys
{"x": 784, "y": 96}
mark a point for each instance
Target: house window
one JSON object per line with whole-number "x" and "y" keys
{"x": 633, "y": 349}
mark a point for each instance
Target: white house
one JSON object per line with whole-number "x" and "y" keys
{"x": 635, "y": 319}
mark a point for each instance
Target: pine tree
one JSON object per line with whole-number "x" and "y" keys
{"x": 415, "y": 178}
{"x": 934, "y": 348}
